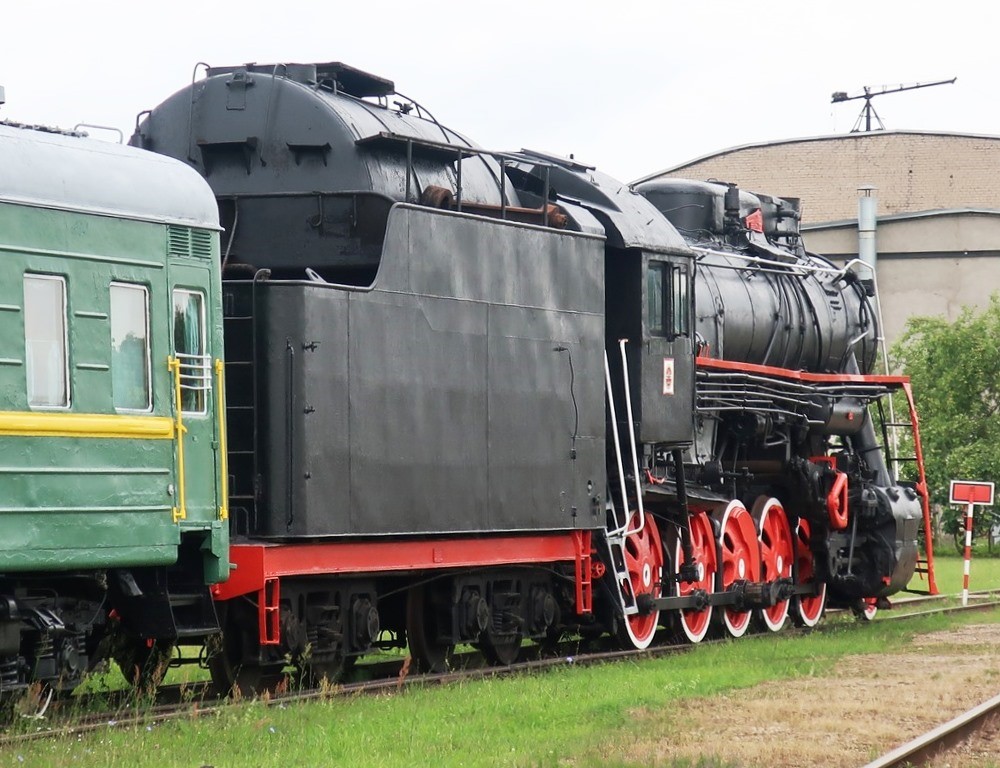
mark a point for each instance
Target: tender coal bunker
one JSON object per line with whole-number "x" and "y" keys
{"x": 338, "y": 237}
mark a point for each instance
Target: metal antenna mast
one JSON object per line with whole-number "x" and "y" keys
{"x": 868, "y": 111}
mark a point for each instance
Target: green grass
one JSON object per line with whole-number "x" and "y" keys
{"x": 109, "y": 679}
{"x": 984, "y": 570}
{"x": 578, "y": 716}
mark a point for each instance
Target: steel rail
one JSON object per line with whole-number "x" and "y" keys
{"x": 905, "y": 603}
{"x": 396, "y": 678}
{"x": 986, "y": 606}
{"x": 922, "y": 749}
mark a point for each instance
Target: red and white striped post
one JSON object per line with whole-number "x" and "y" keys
{"x": 970, "y": 493}
{"x": 969, "y": 509}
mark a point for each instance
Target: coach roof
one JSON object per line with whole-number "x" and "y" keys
{"x": 57, "y": 170}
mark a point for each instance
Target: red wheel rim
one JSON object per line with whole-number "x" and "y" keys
{"x": 776, "y": 553}
{"x": 740, "y": 560}
{"x": 870, "y": 608}
{"x": 694, "y": 623}
{"x": 644, "y": 563}
{"x": 808, "y": 609}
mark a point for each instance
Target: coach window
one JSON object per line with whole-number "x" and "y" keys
{"x": 189, "y": 347}
{"x": 46, "y": 363}
{"x": 130, "y": 380}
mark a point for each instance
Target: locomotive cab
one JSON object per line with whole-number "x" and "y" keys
{"x": 648, "y": 276}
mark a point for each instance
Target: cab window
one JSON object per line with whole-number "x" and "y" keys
{"x": 667, "y": 310}
{"x": 654, "y": 298}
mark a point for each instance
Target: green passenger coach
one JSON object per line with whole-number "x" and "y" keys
{"x": 112, "y": 437}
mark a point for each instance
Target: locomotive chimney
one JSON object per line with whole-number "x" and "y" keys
{"x": 867, "y": 209}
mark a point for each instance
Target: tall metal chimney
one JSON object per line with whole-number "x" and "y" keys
{"x": 867, "y": 212}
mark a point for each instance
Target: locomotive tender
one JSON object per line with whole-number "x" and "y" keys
{"x": 480, "y": 397}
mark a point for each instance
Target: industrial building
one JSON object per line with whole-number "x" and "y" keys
{"x": 938, "y": 206}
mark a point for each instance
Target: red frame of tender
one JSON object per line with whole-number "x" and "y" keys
{"x": 258, "y": 567}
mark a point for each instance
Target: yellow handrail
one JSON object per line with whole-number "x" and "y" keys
{"x": 86, "y": 425}
{"x": 179, "y": 513}
{"x": 220, "y": 406}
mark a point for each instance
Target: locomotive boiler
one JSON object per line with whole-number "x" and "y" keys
{"x": 786, "y": 406}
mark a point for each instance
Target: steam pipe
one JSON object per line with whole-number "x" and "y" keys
{"x": 867, "y": 212}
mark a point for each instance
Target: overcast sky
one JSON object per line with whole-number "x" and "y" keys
{"x": 632, "y": 87}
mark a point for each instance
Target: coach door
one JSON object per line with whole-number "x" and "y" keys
{"x": 194, "y": 393}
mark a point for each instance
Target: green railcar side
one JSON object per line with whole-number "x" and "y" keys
{"x": 88, "y": 484}
{"x": 92, "y": 475}
{"x": 112, "y": 436}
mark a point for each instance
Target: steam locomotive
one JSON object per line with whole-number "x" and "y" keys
{"x": 469, "y": 397}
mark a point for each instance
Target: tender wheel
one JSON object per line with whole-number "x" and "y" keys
{"x": 429, "y": 652}
{"x": 695, "y": 623}
{"x": 237, "y": 664}
{"x": 644, "y": 563}
{"x": 332, "y": 669}
{"x": 807, "y": 611}
{"x": 776, "y": 553}
{"x": 740, "y": 561}
{"x": 500, "y": 649}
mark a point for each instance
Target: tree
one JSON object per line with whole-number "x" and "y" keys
{"x": 955, "y": 372}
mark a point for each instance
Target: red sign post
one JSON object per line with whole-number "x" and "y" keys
{"x": 970, "y": 493}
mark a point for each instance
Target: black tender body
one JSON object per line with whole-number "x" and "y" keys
{"x": 391, "y": 369}
{"x": 461, "y": 392}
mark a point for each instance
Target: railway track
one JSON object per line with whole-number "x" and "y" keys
{"x": 939, "y": 740}
{"x": 197, "y": 699}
